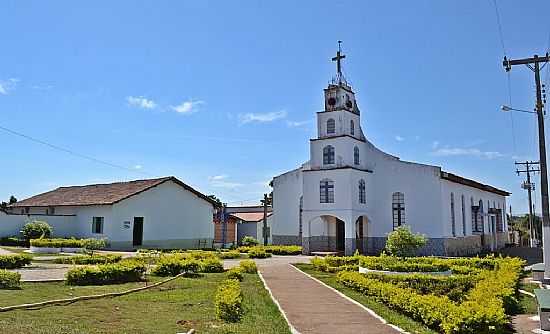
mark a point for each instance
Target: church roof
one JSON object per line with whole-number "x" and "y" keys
{"x": 471, "y": 183}
{"x": 99, "y": 194}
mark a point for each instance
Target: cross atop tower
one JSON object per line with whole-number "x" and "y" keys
{"x": 337, "y": 59}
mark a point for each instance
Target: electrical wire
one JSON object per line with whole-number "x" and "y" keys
{"x": 497, "y": 13}
{"x": 71, "y": 152}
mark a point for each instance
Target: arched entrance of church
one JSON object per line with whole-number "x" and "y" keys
{"x": 361, "y": 228}
{"x": 327, "y": 233}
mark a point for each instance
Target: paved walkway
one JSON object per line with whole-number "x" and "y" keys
{"x": 313, "y": 308}
{"x": 5, "y": 252}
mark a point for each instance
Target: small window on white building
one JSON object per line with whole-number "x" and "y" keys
{"x": 463, "y": 216}
{"x": 328, "y": 155}
{"x": 398, "y": 209}
{"x": 326, "y": 191}
{"x": 351, "y": 127}
{"x": 97, "y": 225}
{"x": 331, "y": 126}
{"x": 362, "y": 192}
{"x": 356, "y": 155}
{"x": 453, "y": 221}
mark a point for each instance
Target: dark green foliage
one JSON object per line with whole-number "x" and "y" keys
{"x": 249, "y": 241}
{"x": 211, "y": 265}
{"x": 13, "y": 241}
{"x": 174, "y": 265}
{"x": 36, "y": 229}
{"x": 57, "y": 243}
{"x": 89, "y": 259}
{"x": 228, "y": 301}
{"x": 122, "y": 272}
{"x": 9, "y": 279}
{"x": 14, "y": 261}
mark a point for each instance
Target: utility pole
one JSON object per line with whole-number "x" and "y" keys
{"x": 534, "y": 65}
{"x": 266, "y": 201}
{"x": 529, "y": 186}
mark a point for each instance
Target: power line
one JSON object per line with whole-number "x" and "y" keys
{"x": 499, "y": 27}
{"x": 71, "y": 152}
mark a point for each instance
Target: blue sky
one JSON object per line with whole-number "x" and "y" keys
{"x": 223, "y": 94}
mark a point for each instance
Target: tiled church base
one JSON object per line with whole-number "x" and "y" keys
{"x": 314, "y": 308}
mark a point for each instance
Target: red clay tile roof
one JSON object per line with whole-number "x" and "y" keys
{"x": 99, "y": 194}
{"x": 250, "y": 216}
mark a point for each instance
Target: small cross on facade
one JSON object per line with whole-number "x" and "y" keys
{"x": 337, "y": 59}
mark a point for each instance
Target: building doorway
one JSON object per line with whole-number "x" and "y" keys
{"x": 340, "y": 235}
{"x": 138, "y": 231}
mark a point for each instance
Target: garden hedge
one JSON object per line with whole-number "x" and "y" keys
{"x": 483, "y": 308}
{"x": 248, "y": 266}
{"x": 14, "y": 261}
{"x": 57, "y": 243}
{"x": 258, "y": 253}
{"x": 228, "y": 301}
{"x": 130, "y": 270}
{"x": 232, "y": 254}
{"x": 174, "y": 265}
{"x": 89, "y": 259}
{"x": 235, "y": 273}
{"x": 9, "y": 279}
{"x": 274, "y": 249}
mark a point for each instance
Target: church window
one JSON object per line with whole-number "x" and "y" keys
{"x": 326, "y": 190}
{"x": 453, "y": 222}
{"x": 331, "y": 126}
{"x": 477, "y": 217}
{"x": 328, "y": 155}
{"x": 362, "y": 192}
{"x": 356, "y": 155}
{"x": 463, "y": 216}
{"x": 351, "y": 127}
{"x": 398, "y": 209}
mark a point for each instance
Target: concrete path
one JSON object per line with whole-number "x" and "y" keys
{"x": 314, "y": 308}
{"x": 43, "y": 272}
{"x": 5, "y": 252}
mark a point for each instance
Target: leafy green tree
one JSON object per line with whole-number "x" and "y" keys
{"x": 403, "y": 243}
{"x": 13, "y": 200}
{"x": 249, "y": 241}
{"x": 215, "y": 199}
{"x": 92, "y": 244}
{"x": 36, "y": 230}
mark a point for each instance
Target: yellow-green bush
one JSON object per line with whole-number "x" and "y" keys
{"x": 9, "y": 279}
{"x": 125, "y": 271}
{"x": 258, "y": 253}
{"x": 174, "y": 265}
{"x": 228, "y": 301}
{"x": 89, "y": 259}
{"x": 235, "y": 273}
{"x": 248, "y": 266}
{"x": 14, "y": 261}
{"x": 274, "y": 249}
{"x": 232, "y": 254}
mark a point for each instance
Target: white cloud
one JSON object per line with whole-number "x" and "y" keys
{"x": 138, "y": 167}
{"x": 457, "y": 151}
{"x": 219, "y": 181}
{"x": 262, "y": 117}
{"x": 8, "y": 85}
{"x": 187, "y": 107}
{"x": 399, "y": 138}
{"x": 435, "y": 144}
{"x": 141, "y": 102}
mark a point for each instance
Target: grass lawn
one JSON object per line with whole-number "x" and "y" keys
{"x": 177, "y": 306}
{"x": 528, "y": 304}
{"x": 382, "y": 310}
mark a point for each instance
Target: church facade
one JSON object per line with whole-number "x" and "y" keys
{"x": 350, "y": 195}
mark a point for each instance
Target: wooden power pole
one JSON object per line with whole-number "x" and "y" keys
{"x": 535, "y": 65}
{"x": 266, "y": 202}
{"x": 529, "y": 186}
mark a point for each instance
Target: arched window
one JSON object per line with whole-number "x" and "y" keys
{"x": 326, "y": 191}
{"x": 351, "y": 127}
{"x": 356, "y": 155}
{"x": 328, "y": 155}
{"x": 331, "y": 126}
{"x": 362, "y": 192}
{"x": 398, "y": 209}
{"x": 453, "y": 221}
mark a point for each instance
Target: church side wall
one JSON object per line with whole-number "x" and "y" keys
{"x": 287, "y": 190}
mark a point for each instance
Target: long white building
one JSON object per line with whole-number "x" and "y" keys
{"x": 350, "y": 195}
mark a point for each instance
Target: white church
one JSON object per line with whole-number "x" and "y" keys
{"x": 350, "y": 195}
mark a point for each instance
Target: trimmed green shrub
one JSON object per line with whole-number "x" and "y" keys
{"x": 248, "y": 266}
{"x": 36, "y": 229}
{"x": 14, "y": 261}
{"x": 174, "y": 265}
{"x": 211, "y": 266}
{"x": 13, "y": 241}
{"x": 232, "y": 254}
{"x": 249, "y": 241}
{"x": 130, "y": 270}
{"x": 92, "y": 244}
{"x": 89, "y": 259}
{"x": 9, "y": 279}
{"x": 274, "y": 249}
{"x": 235, "y": 273}
{"x": 57, "y": 243}
{"x": 258, "y": 253}
{"x": 228, "y": 301}
{"x": 403, "y": 243}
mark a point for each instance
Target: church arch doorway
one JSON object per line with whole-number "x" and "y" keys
{"x": 361, "y": 229}
{"x": 327, "y": 233}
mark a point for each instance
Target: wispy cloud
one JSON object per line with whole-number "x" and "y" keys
{"x": 187, "y": 107}
{"x": 435, "y": 144}
{"x": 42, "y": 87}
{"x": 220, "y": 181}
{"x": 8, "y": 85}
{"x": 138, "y": 167}
{"x": 262, "y": 117}
{"x": 399, "y": 138}
{"x": 141, "y": 102}
{"x": 475, "y": 152}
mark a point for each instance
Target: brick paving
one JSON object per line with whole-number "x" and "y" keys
{"x": 313, "y": 308}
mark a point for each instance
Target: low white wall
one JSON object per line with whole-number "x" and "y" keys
{"x": 63, "y": 226}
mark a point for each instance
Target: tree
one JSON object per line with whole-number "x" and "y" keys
{"x": 12, "y": 199}
{"x": 90, "y": 245}
{"x": 4, "y": 205}
{"x": 36, "y": 230}
{"x": 215, "y": 199}
{"x": 403, "y": 243}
